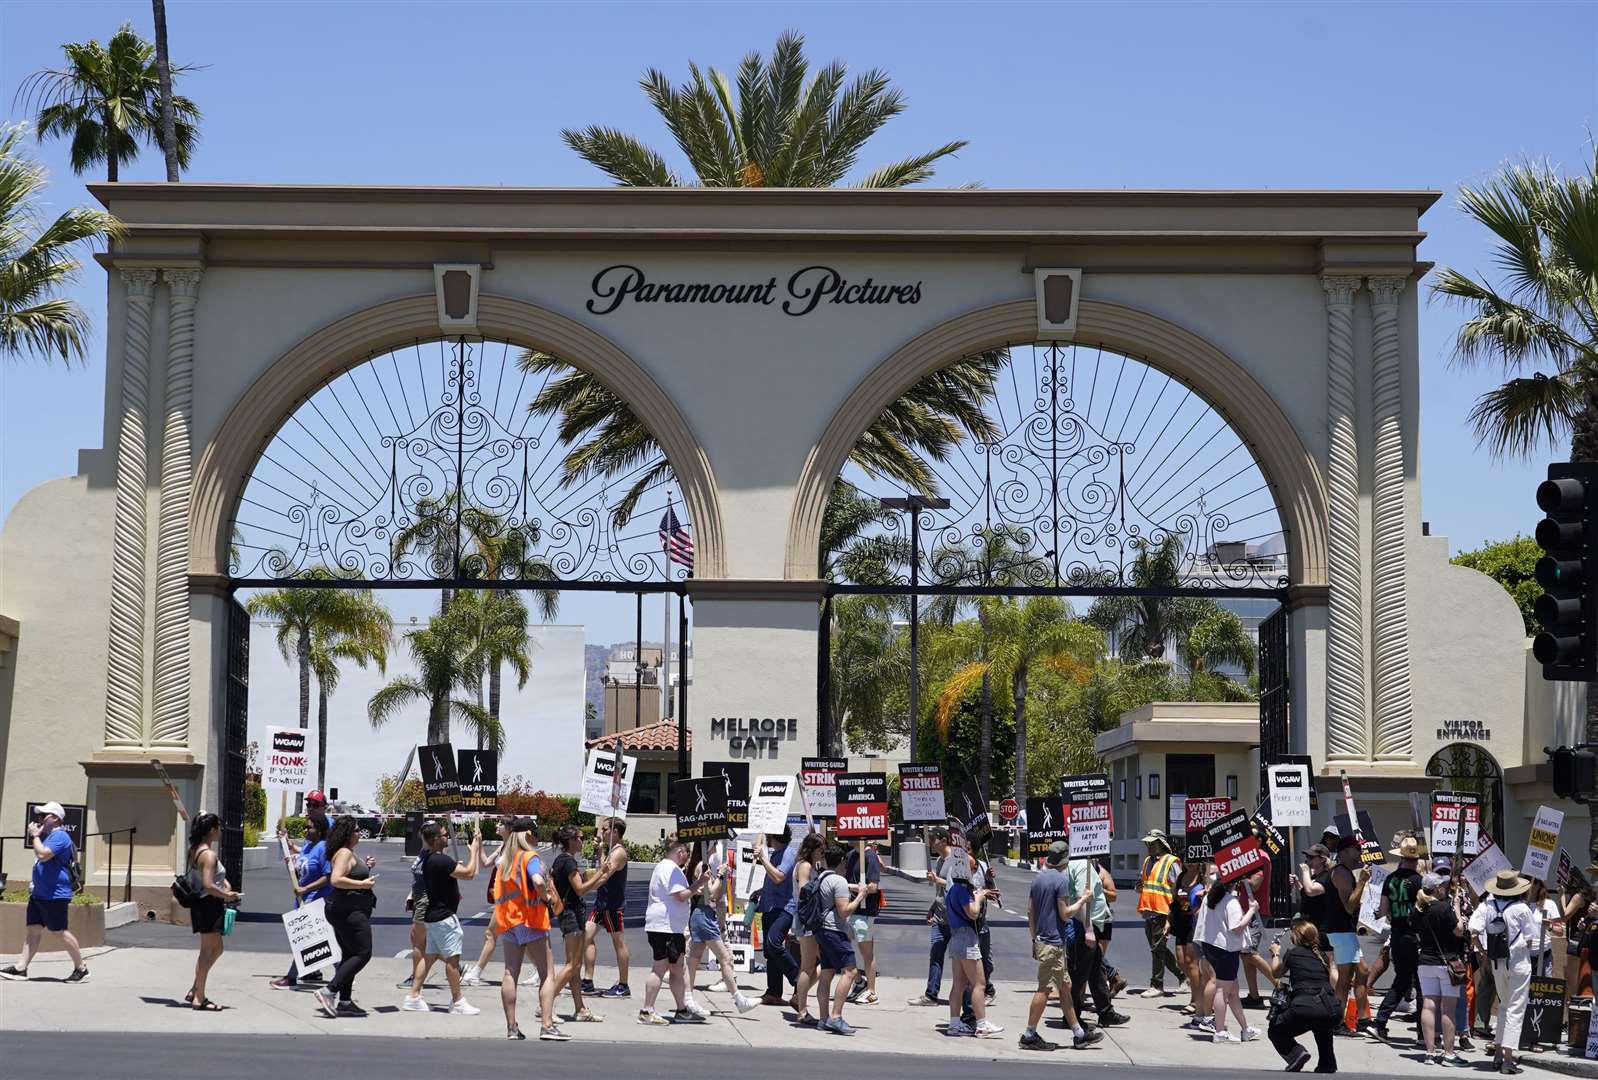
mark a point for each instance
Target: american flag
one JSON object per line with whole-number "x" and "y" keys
{"x": 675, "y": 541}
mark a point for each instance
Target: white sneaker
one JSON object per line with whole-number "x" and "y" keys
{"x": 472, "y": 976}
{"x": 743, "y": 1002}
{"x": 413, "y": 1004}
{"x": 1151, "y": 992}
{"x": 1250, "y": 1034}
{"x": 531, "y": 978}
{"x": 463, "y": 1008}
{"x": 1225, "y": 1037}
{"x": 697, "y": 1009}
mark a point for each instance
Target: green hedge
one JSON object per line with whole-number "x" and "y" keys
{"x": 255, "y": 806}
{"x": 252, "y": 834}
{"x": 294, "y": 825}
{"x": 394, "y": 827}
{"x": 20, "y": 896}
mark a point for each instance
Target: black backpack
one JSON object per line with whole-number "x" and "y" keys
{"x": 813, "y": 906}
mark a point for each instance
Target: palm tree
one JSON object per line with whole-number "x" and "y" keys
{"x": 490, "y": 549}
{"x": 107, "y": 99}
{"x": 497, "y": 621}
{"x": 442, "y": 651}
{"x": 1217, "y": 639}
{"x": 360, "y": 635}
{"x": 867, "y": 661}
{"x": 166, "y": 116}
{"x": 1007, "y": 640}
{"x": 1543, "y": 310}
{"x": 38, "y": 259}
{"x": 783, "y": 131}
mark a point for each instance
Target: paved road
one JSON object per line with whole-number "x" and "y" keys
{"x": 152, "y": 1057}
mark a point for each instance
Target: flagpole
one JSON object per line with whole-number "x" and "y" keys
{"x": 665, "y": 620}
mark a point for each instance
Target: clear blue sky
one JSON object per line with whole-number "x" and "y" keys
{"x": 1050, "y": 95}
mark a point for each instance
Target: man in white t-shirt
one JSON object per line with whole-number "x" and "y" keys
{"x": 665, "y": 923}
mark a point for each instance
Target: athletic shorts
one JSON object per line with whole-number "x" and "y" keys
{"x": 517, "y": 936}
{"x": 703, "y": 925}
{"x": 1345, "y": 947}
{"x": 837, "y": 951}
{"x": 444, "y": 937}
{"x": 419, "y": 909}
{"x": 665, "y": 946}
{"x": 571, "y": 922}
{"x": 863, "y": 927}
{"x": 1251, "y": 939}
{"x": 1434, "y": 982}
{"x": 1223, "y": 961}
{"x": 1105, "y": 932}
{"x": 52, "y": 914}
{"x": 963, "y": 944}
{"x": 606, "y": 919}
{"x": 1051, "y": 965}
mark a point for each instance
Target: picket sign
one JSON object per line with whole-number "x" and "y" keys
{"x": 1371, "y": 902}
{"x": 311, "y": 940}
{"x": 1542, "y": 843}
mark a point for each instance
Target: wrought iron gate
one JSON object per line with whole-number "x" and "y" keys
{"x": 235, "y": 733}
{"x": 1275, "y": 737}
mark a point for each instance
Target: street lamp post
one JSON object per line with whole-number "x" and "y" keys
{"x": 915, "y": 504}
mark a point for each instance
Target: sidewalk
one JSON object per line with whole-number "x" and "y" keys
{"x": 140, "y": 990}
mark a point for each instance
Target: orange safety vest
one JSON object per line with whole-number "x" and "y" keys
{"x": 1154, "y": 891}
{"x": 513, "y": 906}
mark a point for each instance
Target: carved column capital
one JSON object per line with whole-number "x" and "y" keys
{"x": 184, "y": 283}
{"x": 1340, "y": 288}
{"x": 1386, "y": 290}
{"x": 139, "y": 283}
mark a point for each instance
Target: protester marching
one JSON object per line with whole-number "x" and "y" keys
{"x": 1430, "y": 942}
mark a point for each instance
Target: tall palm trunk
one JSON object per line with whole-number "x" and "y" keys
{"x": 321, "y": 736}
{"x": 493, "y": 695}
{"x": 163, "y": 62}
{"x": 304, "y": 651}
{"x": 985, "y": 745}
{"x": 111, "y": 163}
{"x": 1018, "y": 687}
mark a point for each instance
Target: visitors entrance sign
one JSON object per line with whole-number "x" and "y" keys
{"x": 1200, "y": 813}
{"x": 1454, "y": 812}
{"x": 1289, "y": 795}
{"x": 288, "y": 760}
{"x": 701, "y": 808}
{"x": 862, "y": 806}
{"x": 311, "y": 940}
{"x": 440, "y": 782}
{"x": 1236, "y": 849}
{"x": 734, "y": 777}
{"x": 921, "y": 795}
{"x": 768, "y": 804}
{"x": 1087, "y": 798}
{"x": 478, "y": 772}
{"x": 1046, "y": 822}
{"x": 604, "y": 794}
{"x": 819, "y": 775}
{"x": 1542, "y": 843}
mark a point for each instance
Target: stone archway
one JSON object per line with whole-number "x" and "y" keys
{"x": 225, "y": 465}
{"x": 1296, "y": 481}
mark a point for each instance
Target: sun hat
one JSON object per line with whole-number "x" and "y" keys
{"x": 1156, "y": 836}
{"x": 1059, "y": 853}
{"x": 1508, "y": 883}
{"x": 51, "y": 808}
{"x": 1409, "y": 848}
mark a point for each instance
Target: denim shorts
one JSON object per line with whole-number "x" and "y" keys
{"x": 964, "y": 945}
{"x": 1345, "y": 946}
{"x": 703, "y": 925}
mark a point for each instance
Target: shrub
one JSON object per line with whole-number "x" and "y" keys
{"x": 517, "y": 796}
{"x": 643, "y": 853}
{"x": 252, "y": 835}
{"x": 19, "y": 895}
{"x": 394, "y": 827}
{"x": 255, "y": 805}
{"x": 294, "y": 825}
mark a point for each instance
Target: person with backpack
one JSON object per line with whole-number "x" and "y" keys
{"x": 863, "y": 923}
{"x": 1439, "y": 927}
{"x": 1304, "y": 1000}
{"x": 825, "y": 909}
{"x": 804, "y": 871}
{"x": 208, "y": 915}
{"x": 1506, "y": 930}
{"x": 55, "y": 880}
{"x": 776, "y": 922}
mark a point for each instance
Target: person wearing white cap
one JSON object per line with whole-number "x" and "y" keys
{"x": 55, "y": 879}
{"x": 1506, "y": 927}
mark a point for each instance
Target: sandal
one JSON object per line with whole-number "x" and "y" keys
{"x": 188, "y": 999}
{"x": 586, "y": 1016}
{"x": 206, "y": 1005}
{"x": 806, "y": 1021}
{"x": 1189, "y": 1009}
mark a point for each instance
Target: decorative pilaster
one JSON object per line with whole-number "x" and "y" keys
{"x": 1346, "y": 731}
{"x": 124, "y": 697}
{"x": 171, "y": 715}
{"x": 1394, "y": 725}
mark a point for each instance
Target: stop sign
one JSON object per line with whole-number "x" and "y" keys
{"x": 1009, "y": 810}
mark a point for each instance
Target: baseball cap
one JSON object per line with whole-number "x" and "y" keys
{"x": 1319, "y": 851}
{"x": 523, "y": 824}
{"x": 1059, "y": 852}
{"x": 316, "y": 796}
{"x": 1347, "y": 842}
{"x": 51, "y": 808}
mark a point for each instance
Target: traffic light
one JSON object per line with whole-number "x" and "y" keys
{"x": 1575, "y": 772}
{"x": 1567, "y": 648}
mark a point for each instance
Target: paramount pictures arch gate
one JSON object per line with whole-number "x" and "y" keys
{"x": 233, "y": 308}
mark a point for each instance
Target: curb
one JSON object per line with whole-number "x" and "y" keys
{"x": 1559, "y": 1063}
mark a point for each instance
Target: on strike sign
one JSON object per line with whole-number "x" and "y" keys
{"x": 1087, "y": 798}
{"x": 441, "y": 785}
{"x": 818, "y": 776}
{"x": 1200, "y": 813}
{"x": 1236, "y": 849}
{"x": 1450, "y": 811}
{"x": 862, "y": 806}
{"x": 288, "y": 765}
{"x": 1045, "y": 823}
{"x": 921, "y": 794}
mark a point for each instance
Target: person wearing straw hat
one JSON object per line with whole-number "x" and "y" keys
{"x": 1505, "y": 927}
{"x": 1403, "y": 946}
